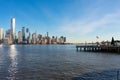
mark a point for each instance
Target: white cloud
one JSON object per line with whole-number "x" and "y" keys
{"x": 84, "y": 27}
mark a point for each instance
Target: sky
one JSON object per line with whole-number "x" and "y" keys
{"x": 78, "y": 20}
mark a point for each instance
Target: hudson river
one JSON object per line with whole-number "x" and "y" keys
{"x": 56, "y": 62}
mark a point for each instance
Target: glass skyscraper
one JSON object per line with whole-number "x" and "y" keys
{"x": 13, "y": 28}
{"x": 23, "y": 34}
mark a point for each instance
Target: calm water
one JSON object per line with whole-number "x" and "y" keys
{"x": 51, "y": 62}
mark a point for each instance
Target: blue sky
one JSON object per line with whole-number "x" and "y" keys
{"x": 78, "y": 20}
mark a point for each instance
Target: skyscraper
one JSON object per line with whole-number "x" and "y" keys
{"x": 13, "y": 28}
{"x": 27, "y": 30}
{"x": 27, "y": 35}
{"x": 1, "y": 34}
{"x": 34, "y": 38}
{"x": 47, "y": 38}
{"x": 23, "y": 34}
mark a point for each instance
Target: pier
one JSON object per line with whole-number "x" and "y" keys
{"x": 99, "y": 48}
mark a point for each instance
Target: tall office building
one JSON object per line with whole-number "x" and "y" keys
{"x": 34, "y": 38}
{"x": 27, "y": 30}
{"x": 1, "y": 33}
{"x": 64, "y": 39}
{"x": 23, "y": 34}
{"x": 39, "y": 36}
{"x": 47, "y": 38}
{"x": 27, "y": 35}
{"x": 47, "y": 34}
{"x": 13, "y": 28}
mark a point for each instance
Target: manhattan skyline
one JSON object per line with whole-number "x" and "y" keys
{"x": 78, "y": 20}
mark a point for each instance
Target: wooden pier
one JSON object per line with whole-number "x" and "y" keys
{"x": 115, "y": 49}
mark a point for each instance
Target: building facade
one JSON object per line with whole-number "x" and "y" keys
{"x": 8, "y": 37}
{"x": 27, "y": 35}
{"x": 1, "y": 34}
{"x": 34, "y": 38}
{"x": 23, "y": 34}
{"x": 20, "y": 37}
{"x": 13, "y": 29}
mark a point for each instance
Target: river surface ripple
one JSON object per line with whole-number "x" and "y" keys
{"x": 52, "y": 62}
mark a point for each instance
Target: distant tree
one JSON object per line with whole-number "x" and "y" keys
{"x": 112, "y": 41}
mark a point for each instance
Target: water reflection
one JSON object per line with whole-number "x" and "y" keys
{"x": 1, "y": 46}
{"x": 1, "y": 58}
{"x": 13, "y": 65}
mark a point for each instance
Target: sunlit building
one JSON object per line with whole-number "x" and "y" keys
{"x": 8, "y": 38}
{"x": 34, "y": 38}
{"x": 23, "y": 34}
{"x": 47, "y": 38}
{"x": 53, "y": 40}
{"x": 13, "y": 29}
{"x": 1, "y": 33}
{"x": 39, "y": 39}
{"x": 27, "y": 35}
{"x": 62, "y": 40}
{"x": 20, "y": 37}
{"x": 44, "y": 41}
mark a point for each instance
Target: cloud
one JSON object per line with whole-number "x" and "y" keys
{"x": 84, "y": 27}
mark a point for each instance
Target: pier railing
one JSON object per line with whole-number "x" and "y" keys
{"x": 98, "y": 48}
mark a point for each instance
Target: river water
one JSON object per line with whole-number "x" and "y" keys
{"x": 52, "y": 62}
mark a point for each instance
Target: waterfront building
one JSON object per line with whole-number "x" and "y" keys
{"x": 64, "y": 39}
{"x": 8, "y": 37}
{"x": 8, "y": 34}
{"x": 56, "y": 39}
{"x": 7, "y": 41}
{"x": 30, "y": 41}
{"x": 47, "y": 38}
{"x": 39, "y": 36}
{"x": 23, "y": 34}
{"x": 53, "y": 40}
{"x": 16, "y": 39}
{"x": 61, "y": 40}
{"x": 44, "y": 41}
{"x": 27, "y": 35}
{"x": 13, "y": 29}
{"x": 34, "y": 38}
{"x": 20, "y": 40}
{"x": 1, "y": 33}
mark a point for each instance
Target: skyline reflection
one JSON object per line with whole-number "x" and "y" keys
{"x": 13, "y": 65}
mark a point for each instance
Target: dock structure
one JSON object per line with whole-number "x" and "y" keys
{"x": 96, "y": 48}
